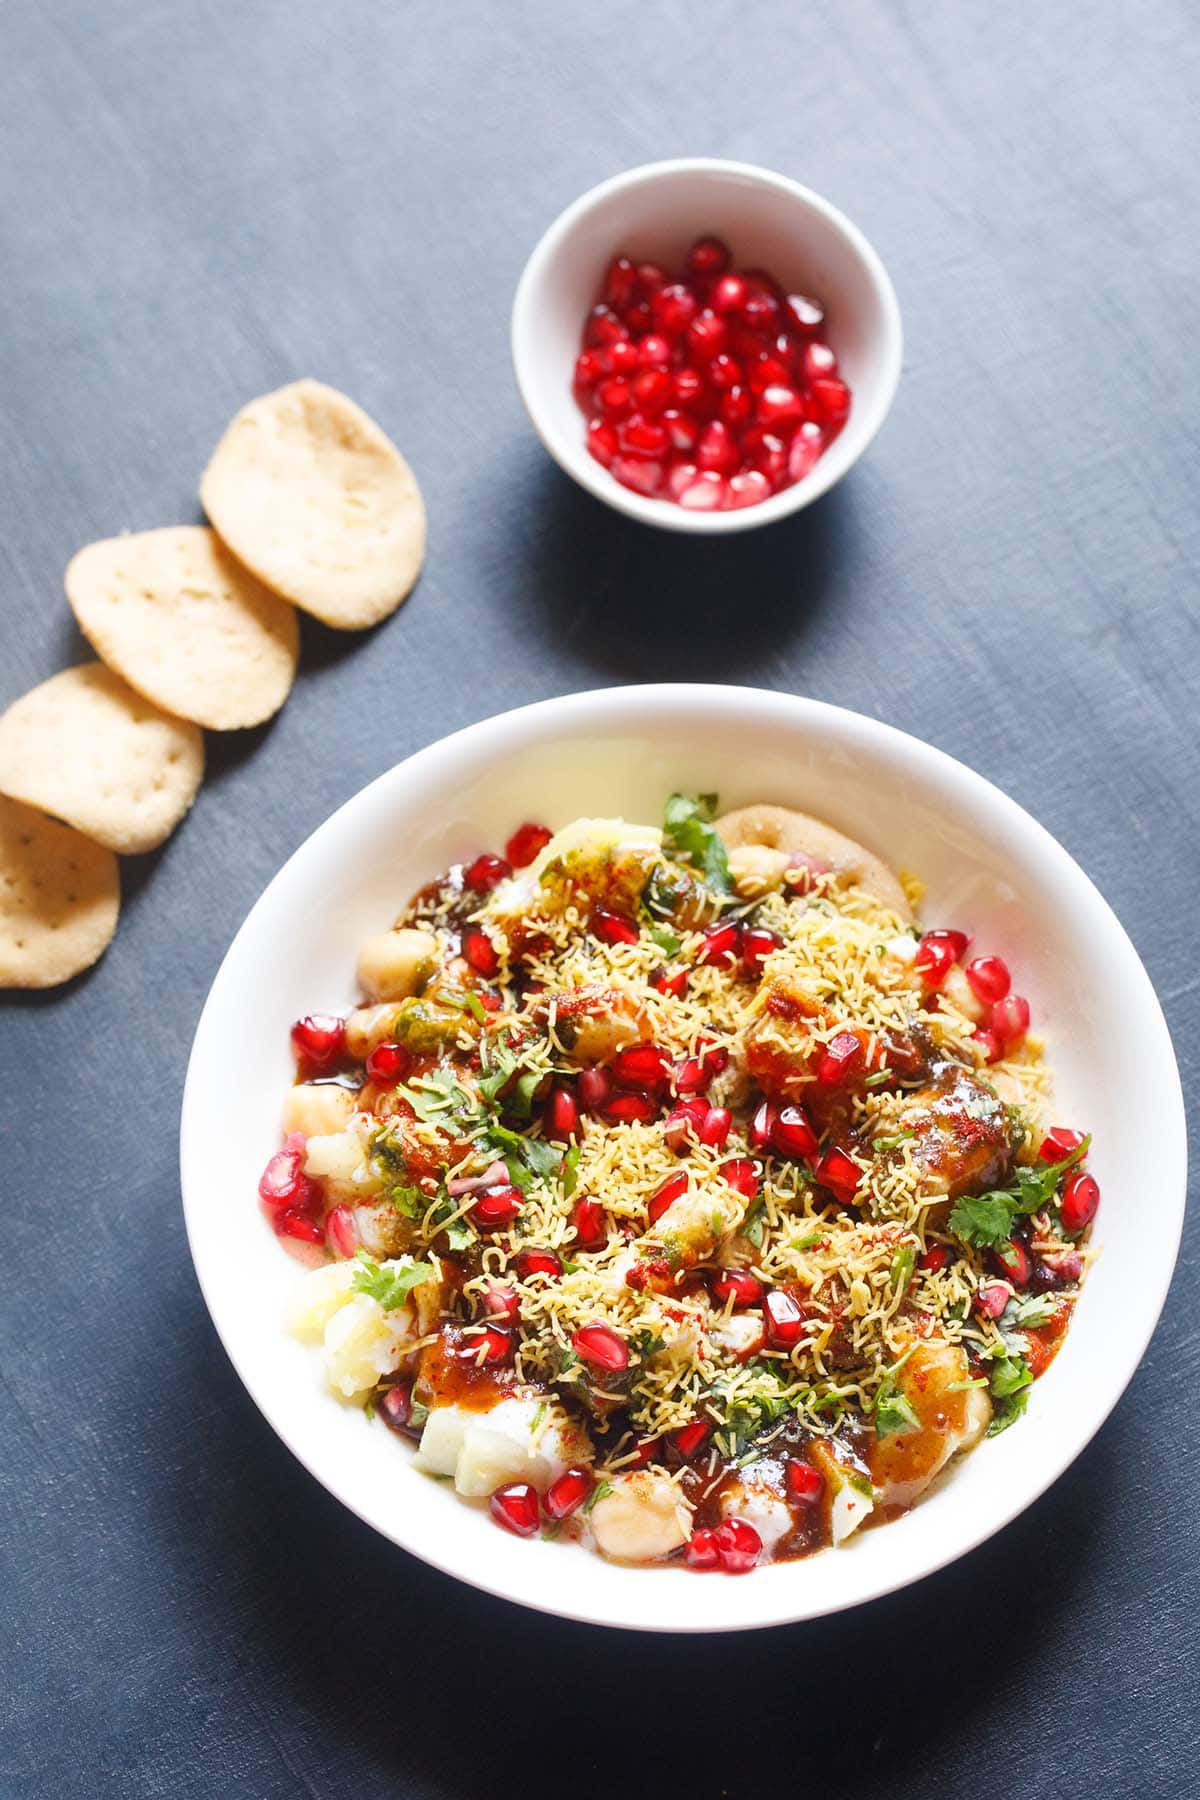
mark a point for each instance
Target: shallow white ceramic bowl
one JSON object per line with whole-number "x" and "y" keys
{"x": 655, "y": 213}
{"x": 990, "y": 868}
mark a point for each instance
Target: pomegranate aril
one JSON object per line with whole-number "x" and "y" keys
{"x": 640, "y": 436}
{"x": 683, "y": 1122}
{"x": 760, "y": 311}
{"x": 716, "y": 449}
{"x": 602, "y": 441}
{"x": 603, "y": 327}
{"x": 1080, "y": 1198}
{"x": 590, "y": 367}
{"x": 600, "y": 1346}
{"x": 783, "y": 1319}
{"x": 1059, "y": 1142}
{"x": 560, "y": 1118}
{"x": 568, "y": 1492}
{"x": 497, "y": 1207}
{"x": 682, "y": 430}
{"x": 500, "y": 1303}
{"x": 1015, "y": 1263}
{"x": 515, "y": 1506}
{"x": 653, "y": 351}
{"x": 652, "y": 392}
{"x": 758, "y": 942}
{"x": 620, "y": 282}
{"x": 818, "y": 361}
{"x": 736, "y": 1285}
{"x": 614, "y": 396}
{"x": 735, "y": 408}
{"x": 672, "y": 982}
{"x": 480, "y": 952}
{"x": 934, "y": 1259}
{"x": 750, "y": 488}
{"x": 538, "y": 1262}
{"x": 707, "y": 491}
{"x": 738, "y": 1546}
{"x": 299, "y": 1225}
{"x": 591, "y": 1227}
{"x": 670, "y": 1191}
{"x": 319, "y": 1039}
{"x": 990, "y": 1045}
{"x": 642, "y": 1066}
{"x": 394, "y": 1406}
{"x": 642, "y": 474}
{"x": 613, "y": 928}
{"x": 762, "y": 1125}
{"x": 766, "y": 451}
{"x": 715, "y": 1127}
{"x": 791, "y": 1133}
{"x": 804, "y": 1483}
{"x": 680, "y": 475}
{"x": 992, "y": 1299}
{"x": 989, "y": 979}
{"x": 593, "y": 1088}
{"x": 283, "y": 1182}
{"x": 708, "y": 257}
{"x": 740, "y": 1173}
{"x": 805, "y": 450}
{"x": 688, "y": 1438}
{"x": 843, "y": 1057}
{"x": 388, "y": 1063}
{"x": 689, "y": 387}
{"x": 779, "y": 405}
{"x": 631, "y": 1109}
{"x": 766, "y": 372}
{"x": 490, "y": 1347}
{"x": 701, "y": 1550}
{"x": 807, "y": 316}
{"x": 724, "y": 372}
{"x": 933, "y": 962}
{"x": 341, "y": 1232}
{"x": 622, "y": 358}
{"x": 691, "y": 1076}
{"x": 673, "y": 308}
{"x": 957, "y": 940}
{"x": 840, "y": 1173}
{"x": 722, "y": 943}
{"x": 728, "y": 294}
{"x": 485, "y": 873}
{"x": 1010, "y": 1020}
{"x": 829, "y": 401}
{"x": 707, "y": 335}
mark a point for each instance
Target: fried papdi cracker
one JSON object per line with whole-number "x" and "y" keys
{"x": 88, "y": 749}
{"x": 309, "y": 493}
{"x": 59, "y": 899}
{"x": 186, "y": 625}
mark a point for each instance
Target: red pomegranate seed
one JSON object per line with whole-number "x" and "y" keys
{"x": 489, "y": 1347}
{"x": 515, "y": 1506}
{"x": 707, "y": 336}
{"x": 715, "y": 1127}
{"x": 701, "y": 1550}
{"x": 642, "y": 1066}
{"x": 603, "y": 327}
{"x": 1080, "y": 1198}
{"x": 722, "y": 942}
{"x": 829, "y": 401}
{"x": 804, "y": 450}
{"x": 526, "y": 843}
{"x": 780, "y": 405}
{"x": 394, "y": 1406}
{"x": 992, "y": 1299}
{"x": 957, "y": 940}
{"x": 1010, "y": 1020}
{"x": 590, "y": 367}
{"x": 568, "y": 1492}
{"x": 933, "y": 962}
{"x": 738, "y": 1546}
{"x": 620, "y": 280}
{"x": 602, "y": 441}
{"x": 842, "y": 1058}
{"x": 480, "y": 952}
{"x": 990, "y": 1044}
{"x": 934, "y": 1259}
{"x": 767, "y": 452}
{"x": 762, "y": 1125}
{"x": 818, "y": 361}
{"x": 622, "y": 358}
{"x": 736, "y": 1285}
{"x": 706, "y": 491}
{"x": 840, "y": 1173}
{"x": 631, "y": 1109}
{"x": 614, "y": 396}
{"x": 1014, "y": 1260}
{"x": 792, "y": 1135}
{"x": 283, "y": 1182}
{"x": 688, "y": 1438}
{"x": 1068, "y": 1267}
{"x": 734, "y": 411}
{"x": 989, "y": 979}
{"x": 689, "y": 386}
{"x": 682, "y": 430}
{"x": 783, "y": 1319}
{"x": 668, "y": 1193}
{"x": 613, "y": 928}
{"x": 680, "y": 475}
{"x": 295, "y": 1224}
{"x": 538, "y": 1262}
{"x": 760, "y": 311}
{"x": 595, "y": 1087}
{"x": 653, "y": 351}
{"x": 716, "y": 450}
{"x": 708, "y": 256}
{"x": 388, "y": 1063}
{"x": 591, "y": 1227}
{"x": 640, "y": 436}
{"x": 806, "y": 315}
{"x": 757, "y": 944}
{"x": 485, "y": 873}
{"x": 724, "y": 374}
{"x": 740, "y": 1173}
{"x": 767, "y": 371}
{"x": 561, "y": 1116}
{"x": 653, "y": 390}
{"x": 650, "y": 278}
{"x": 319, "y": 1039}
{"x": 600, "y": 1346}
{"x": 673, "y": 982}
{"x": 684, "y": 1121}
{"x": 750, "y": 488}
{"x": 673, "y": 308}
{"x": 728, "y": 294}
{"x": 499, "y": 1303}
{"x": 496, "y": 1207}
{"x": 804, "y": 1483}
{"x": 341, "y": 1232}
{"x": 1060, "y": 1142}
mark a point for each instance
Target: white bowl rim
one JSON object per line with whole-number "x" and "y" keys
{"x": 539, "y": 717}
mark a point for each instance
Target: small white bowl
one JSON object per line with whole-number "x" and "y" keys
{"x": 990, "y": 869}
{"x": 655, "y": 213}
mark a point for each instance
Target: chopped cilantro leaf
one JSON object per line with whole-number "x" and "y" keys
{"x": 475, "y": 1006}
{"x": 666, "y": 940}
{"x": 387, "y": 1283}
{"x": 600, "y": 1492}
{"x": 1036, "y": 1309}
{"x": 688, "y": 831}
{"x": 754, "y": 1223}
{"x": 893, "y": 1413}
{"x": 570, "y": 1171}
{"x": 903, "y": 1264}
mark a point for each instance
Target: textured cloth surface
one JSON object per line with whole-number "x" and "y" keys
{"x": 199, "y": 203}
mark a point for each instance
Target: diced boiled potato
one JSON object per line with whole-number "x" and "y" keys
{"x": 522, "y": 1438}
{"x": 962, "y": 997}
{"x": 316, "y": 1298}
{"x": 609, "y": 858}
{"x": 693, "y": 1226}
{"x": 317, "y": 1108}
{"x": 363, "y": 1344}
{"x": 368, "y": 1026}
{"x": 642, "y": 1519}
{"x": 335, "y": 1157}
{"x": 850, "y": 1497}
{"x": 760, "y": 1507}
{"x": 394, "y": 964}
{"x": 739, "y": 1334}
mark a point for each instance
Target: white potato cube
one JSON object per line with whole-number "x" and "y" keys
{"x": 315, "y": 1299}
{"x": 642, "y": 1519}
{"x": 315, "y": 1108}
{"x": 394, "y": 964}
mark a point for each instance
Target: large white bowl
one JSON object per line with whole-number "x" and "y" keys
{"x": 989, "y": 868}
{"x": 656, "y": 212}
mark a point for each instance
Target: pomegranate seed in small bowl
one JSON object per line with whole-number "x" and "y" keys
{"x": 764, "y": 312}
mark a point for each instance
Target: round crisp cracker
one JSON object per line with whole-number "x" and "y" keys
{"x": 59, "y": 899}
{"x": 308, "y": 492}
{"x": 86, "y": 748}
{"x": 186, "y": 625}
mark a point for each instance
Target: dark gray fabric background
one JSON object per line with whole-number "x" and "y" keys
{"x": 198, "y": 202}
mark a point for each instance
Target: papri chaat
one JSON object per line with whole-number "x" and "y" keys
{"x": 674, "y": 1192}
